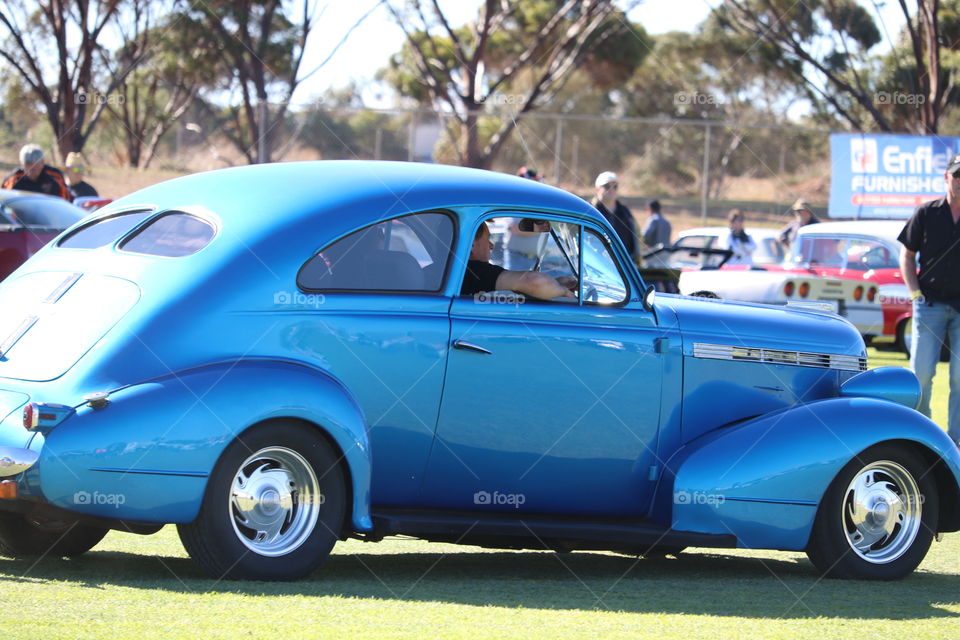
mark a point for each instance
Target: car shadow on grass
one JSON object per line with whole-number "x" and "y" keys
{"x": 694, "y": 583}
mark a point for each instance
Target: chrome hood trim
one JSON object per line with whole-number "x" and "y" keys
{"x": 779, "y": 356}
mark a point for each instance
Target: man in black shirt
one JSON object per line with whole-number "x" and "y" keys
{"x": 616, "y": 213}
{"x": 483, "y": 276}
{"x": 933, "y": 232}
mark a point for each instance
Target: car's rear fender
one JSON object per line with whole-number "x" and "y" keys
{"x": 148, "y": 455}
{"x": 762, "y": 480}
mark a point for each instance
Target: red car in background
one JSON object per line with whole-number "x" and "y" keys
{"x": 27, "y": 222}
{"x": 866, "y": 250}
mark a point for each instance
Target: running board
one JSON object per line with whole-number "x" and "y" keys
{"x": 524, "y": 531}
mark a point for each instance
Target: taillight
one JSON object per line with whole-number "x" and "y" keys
{"x": 31, "y": 416}
{"x": 871, "y": 294}
{"x": 788, "y": 289}
{"x": 804, "y": 289}
{"x": 43, "y": 416}
{"x": 858, "y": 294}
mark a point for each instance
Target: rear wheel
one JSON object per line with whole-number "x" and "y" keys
{"x": 878, "y": 517}
{"x": 275, "y": 506}
{"x": 22, "y": 537}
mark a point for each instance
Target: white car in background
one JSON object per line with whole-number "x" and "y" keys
{"x": 771, "y": 280}
{"x": 769, "y": 250}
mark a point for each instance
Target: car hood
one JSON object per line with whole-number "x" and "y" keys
{"x": 744, "y": 360}
{"x": 722, "y": 322}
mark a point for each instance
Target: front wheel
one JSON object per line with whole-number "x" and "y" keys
{"x": 878, "y": 517}
{"x": 274, "y": 507}
{"x": 22, "y": 537}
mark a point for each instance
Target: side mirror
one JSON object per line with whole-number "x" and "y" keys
{"x": 648, "y": 297}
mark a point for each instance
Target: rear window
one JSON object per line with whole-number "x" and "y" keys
{"x": 105, "y": 231}
{"x": 172, "y": 235}
{"x": 44, "y": 213}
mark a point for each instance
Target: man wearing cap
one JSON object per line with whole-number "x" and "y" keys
{"x": 34, "y": 175}
{"x": 803, "y": 216}
{"x": 616, "y": 213}
{"x": 79, "y": 188}
{"x": 934, "y": 232}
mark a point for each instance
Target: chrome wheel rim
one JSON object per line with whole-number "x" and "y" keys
{"x": 275, "y": 501}
{"x": 882, "y": 510}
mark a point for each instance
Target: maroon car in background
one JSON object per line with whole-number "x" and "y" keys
{"x": 27, "y": 222}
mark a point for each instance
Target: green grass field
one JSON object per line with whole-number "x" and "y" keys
{"x": 145, "y": 587}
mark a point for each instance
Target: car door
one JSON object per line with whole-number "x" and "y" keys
{"x": 381, "y": 327}
{"x": 551, "y": 406}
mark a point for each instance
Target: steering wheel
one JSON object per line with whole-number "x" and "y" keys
{"x": 590, "y": 294}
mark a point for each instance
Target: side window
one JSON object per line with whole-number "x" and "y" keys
{"x": 548, "y": 247}
{"x": 602, "y": 281}
{"x": 410, "y": 253}
{"x": 822, "y": 251}
{"x": 863, "y": 255}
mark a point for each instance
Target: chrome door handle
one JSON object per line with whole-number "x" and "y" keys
{"x": 467, "y": 346}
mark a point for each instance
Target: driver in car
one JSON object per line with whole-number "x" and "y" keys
{"x": 483, "y": 276}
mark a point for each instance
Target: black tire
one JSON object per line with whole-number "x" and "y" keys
{"x": 898, "y": 478}
{"x": 300, "y": 502}
{"x": 21, "y": 537}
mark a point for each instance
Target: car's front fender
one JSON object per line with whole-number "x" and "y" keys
{"x": 763, "y": 480}
{"x": 147, "y": 456}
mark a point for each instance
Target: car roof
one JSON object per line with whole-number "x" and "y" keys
{"x": 346, "y": 193}
{"x": 886, "y": 229}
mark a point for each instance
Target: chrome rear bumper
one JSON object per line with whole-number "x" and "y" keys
{"x": 14, "y": 460}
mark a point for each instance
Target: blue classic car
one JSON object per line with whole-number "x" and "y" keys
{"x": 280, "y": 356}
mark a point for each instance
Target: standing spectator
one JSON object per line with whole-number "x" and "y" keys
{"x": 34, "y": 175}
{"x": 934, "y": 232}
{"x": 74, "y": 176}
{"x": 657, "y": 231}
{"x": 616, "y": 213}
{"x": 802, "y": 216}
{"x": 738, "y": 240}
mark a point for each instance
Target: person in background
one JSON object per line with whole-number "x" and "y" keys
{"x": 657, "y": 231}
{"x": 933, "y": 232}
{"x": 520, "y": 247}
{"x": 616, "y": 213}
{"x": 738, "y": 240}
{"x": 74, "y": 176}
{"x": 802, "y": 216}
{"x": 34, "y": 175}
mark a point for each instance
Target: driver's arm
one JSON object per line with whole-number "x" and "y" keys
{"x": 533, "y": 283}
